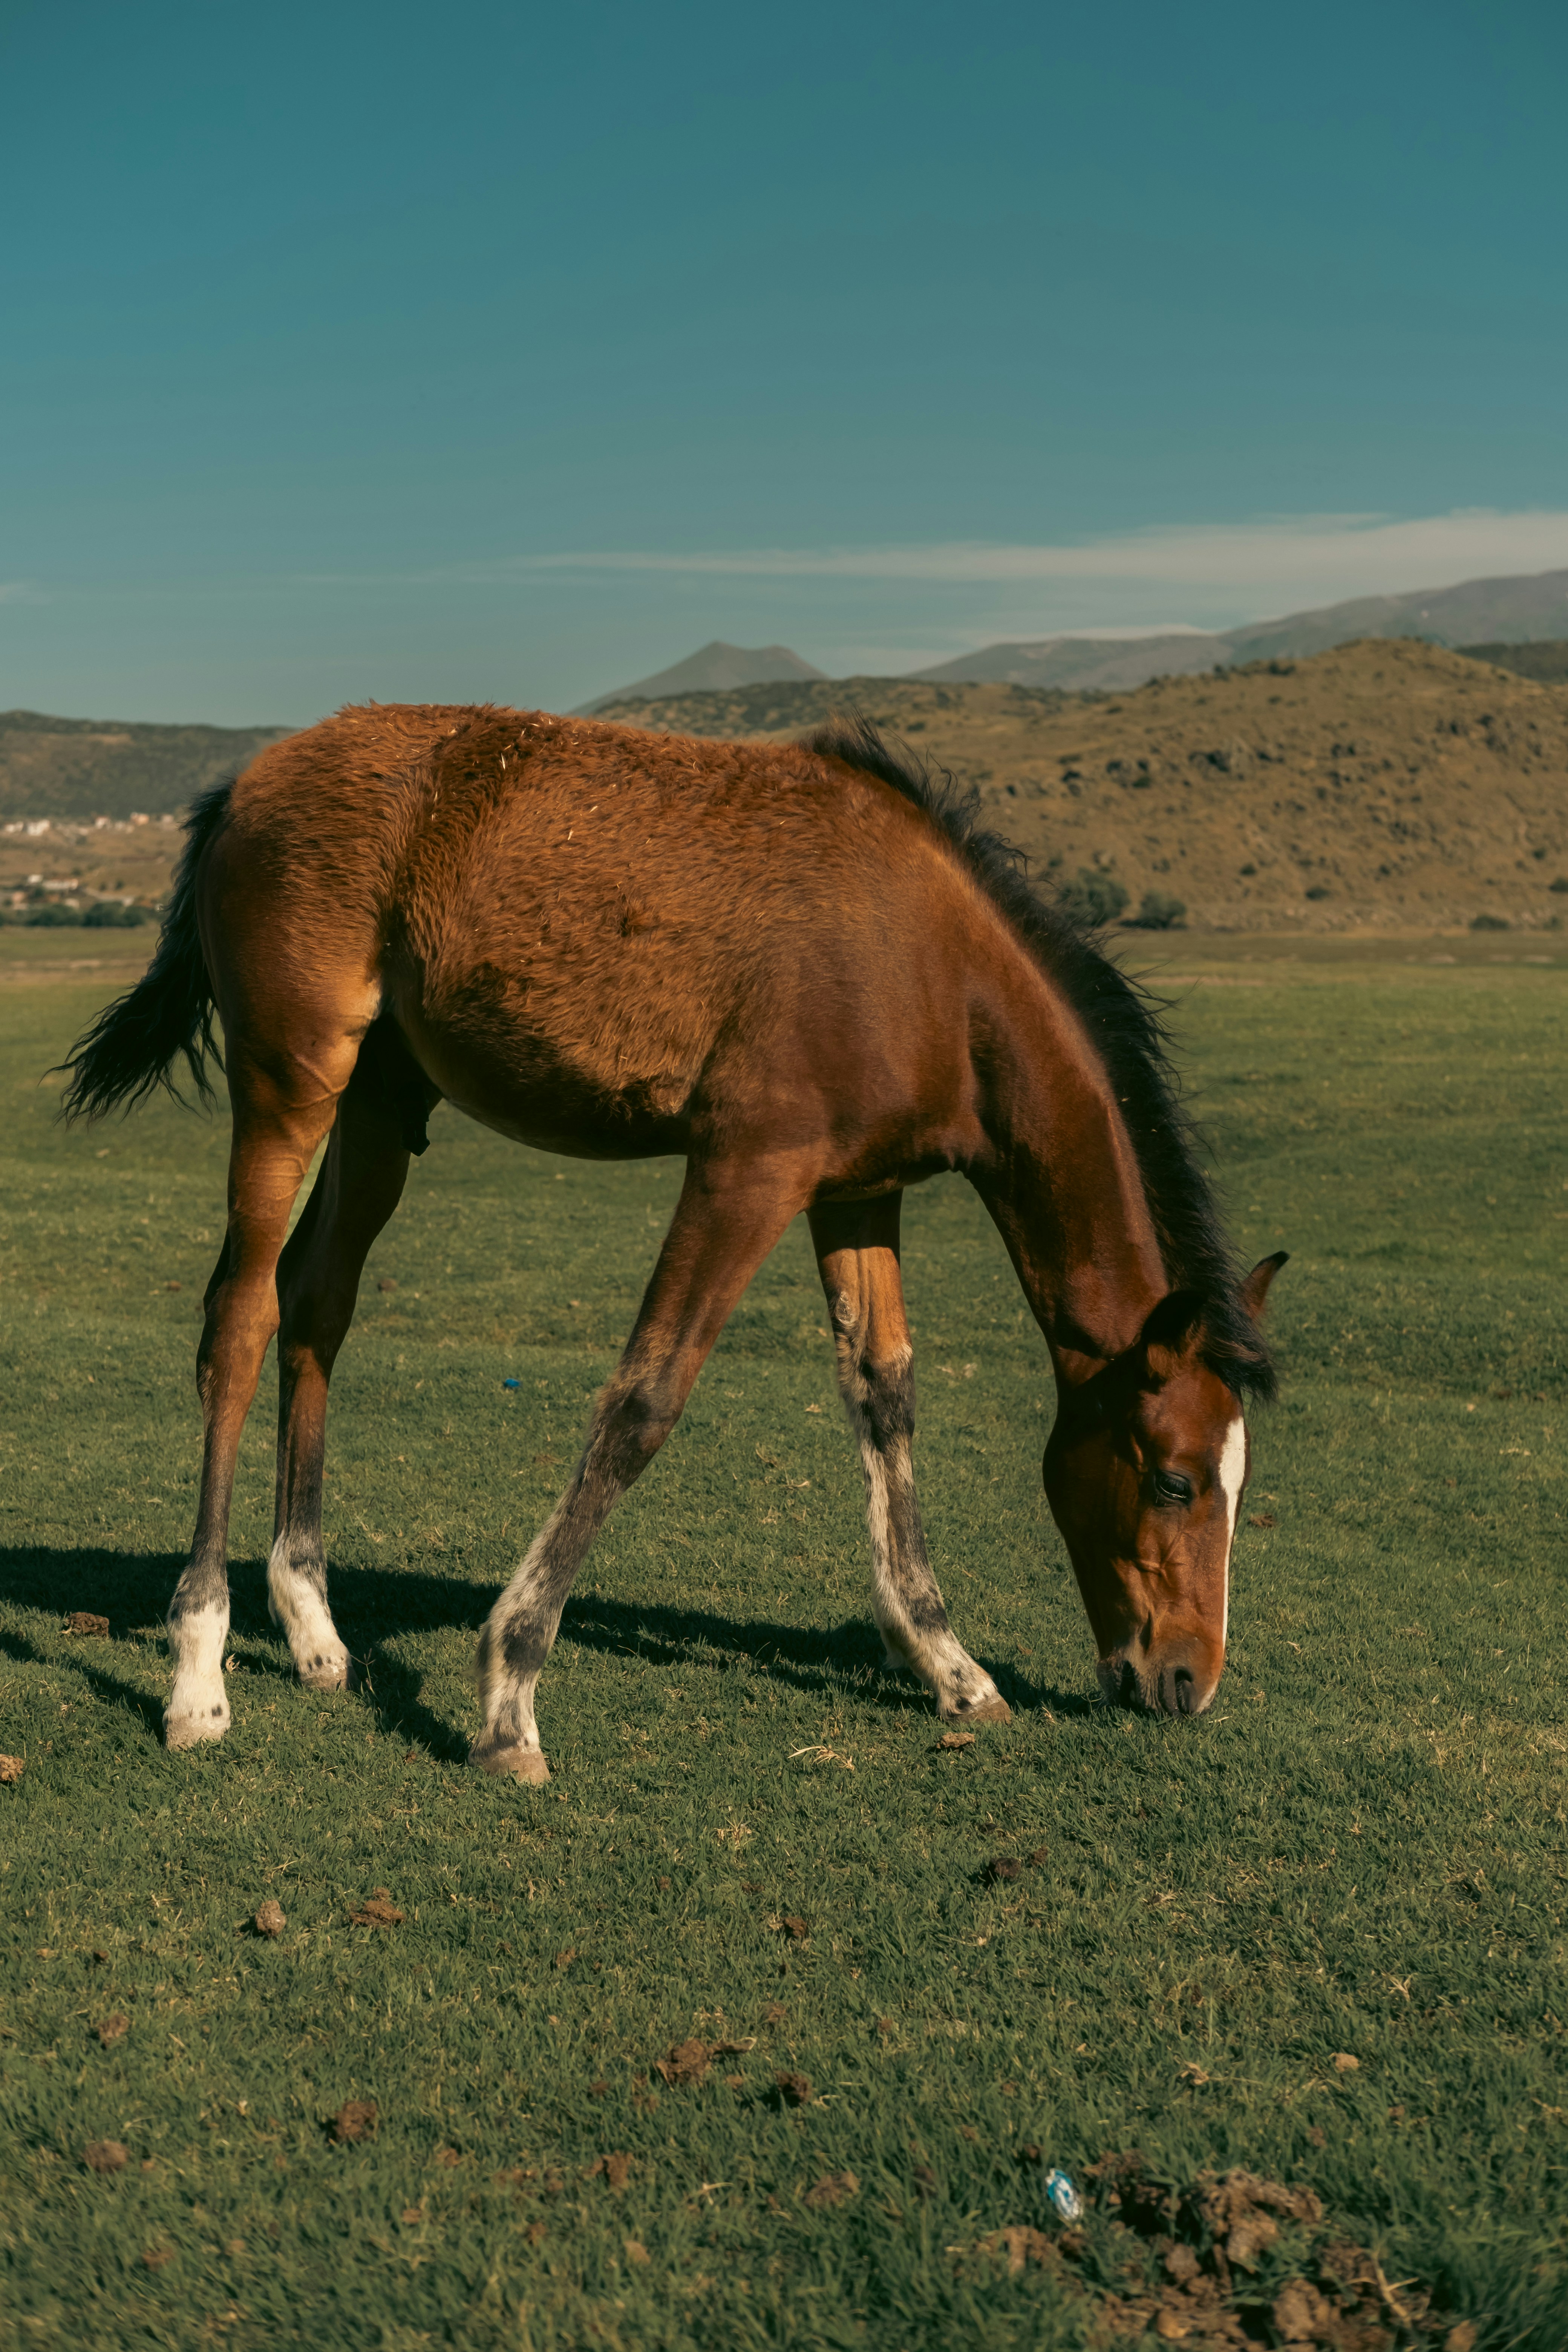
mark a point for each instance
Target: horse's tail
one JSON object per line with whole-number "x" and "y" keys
{"x": 133, "y": 1046}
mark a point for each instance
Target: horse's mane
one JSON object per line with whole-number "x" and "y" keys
{"x": 1125, "y": 1024}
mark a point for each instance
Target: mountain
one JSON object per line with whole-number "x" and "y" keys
{"x": 1385, "y": 786}
{"x": 1082, "y": 665}
{"x": 74, "y": 767}
{"x": 1507, "y": 611}
{"x": 716, "y": 666}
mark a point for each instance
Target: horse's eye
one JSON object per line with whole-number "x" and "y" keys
{"x": 1170, "y": 1487}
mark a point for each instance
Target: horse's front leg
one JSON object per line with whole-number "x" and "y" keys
{"x": 724, "y": 1225}
{"x": 857, "y": 1246}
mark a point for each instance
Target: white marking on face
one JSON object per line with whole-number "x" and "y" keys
{"x": 1232, "y": 1473}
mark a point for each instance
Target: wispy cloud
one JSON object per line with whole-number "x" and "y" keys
{"x": 1342, "y": 555}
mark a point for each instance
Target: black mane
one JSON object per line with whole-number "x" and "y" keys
{"x": 1125, "y": 1024}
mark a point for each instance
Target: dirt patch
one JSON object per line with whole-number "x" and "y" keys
{"x": 379, "y": 1911}
{"x": 1232, "y": 2260}
{"x": 830, "y": 2190}
{"x": 83, "y": 1621}
{"x": 114, "y": 2029}
{"x": 794, "y": 2089}
{"x": 270, "y": 1919}
{"x": 105, "y": 2156}
{"x": 356, "y": 2119}
{"x": 11, "y": 1769}
{"x": 684, "y": 2064}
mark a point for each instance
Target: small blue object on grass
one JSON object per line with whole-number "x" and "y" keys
{"x": 511, "y": 1384}
{"x": 1065, "y": 2198}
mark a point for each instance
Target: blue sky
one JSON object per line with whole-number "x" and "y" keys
{"x": 511, "y": 352}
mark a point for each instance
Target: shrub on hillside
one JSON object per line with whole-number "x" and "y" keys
{"x": 1159, "y": 912}
{"x": 1489, "y": 923}
{"x": 1093, "y": 898}
{"x": 51, "y": 916}
{"x": 108, "y": 914}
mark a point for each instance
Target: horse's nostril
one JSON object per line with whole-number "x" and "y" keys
{"x": 1183, "y": 1682}
{"x": 1128, "y": 1692}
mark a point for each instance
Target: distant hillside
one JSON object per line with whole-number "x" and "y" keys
{"x": 716, "y": 666}
{"x": 1547, "y": 662}
{"x": 70, "y": 768}
{"x": 1084, "y": 665}
{"x": 1383, "y": 785}
{"x": 1506, "y": 610}
{"x": 1509, "y": 610}
{"x": 1502, "y": 611}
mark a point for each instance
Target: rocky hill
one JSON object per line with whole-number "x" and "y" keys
{"x": 1384, "y": 785}
{"x": 86, "y": 768}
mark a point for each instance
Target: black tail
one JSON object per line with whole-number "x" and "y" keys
{"x": 133, "y": 1046}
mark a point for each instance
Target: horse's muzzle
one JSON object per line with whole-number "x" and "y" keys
{"x": 1175, "y": 1687}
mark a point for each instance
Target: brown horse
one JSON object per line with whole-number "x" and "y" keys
{"x": 802, "y": 967}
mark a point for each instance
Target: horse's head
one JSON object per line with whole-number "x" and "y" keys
{"x": 1144, "y": 1472}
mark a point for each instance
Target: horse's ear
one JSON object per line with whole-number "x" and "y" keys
{"x": 1168, "y": 1333}
{"x": 1255, "y": 1289}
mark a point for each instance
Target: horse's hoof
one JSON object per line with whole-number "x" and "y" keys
{"x": 191, "y": 1730}
{"x": 995, "y": 1709}
{"x": 511, "y": 1763}
{"x": 327, "y": 1670}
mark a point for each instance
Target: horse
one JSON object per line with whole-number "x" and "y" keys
{"x": 805, "y": 968}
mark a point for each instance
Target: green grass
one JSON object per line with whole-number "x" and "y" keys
{"x": 1360, "y": 1850}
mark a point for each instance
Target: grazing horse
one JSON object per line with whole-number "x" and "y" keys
{"x": 802, "y": 967}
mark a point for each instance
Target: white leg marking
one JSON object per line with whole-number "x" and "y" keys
{"x": 198, "y": 1704}
{"x": 963, "y": 1689}
{"x": 299, "y": 1606}
{"x": 510, "y": 1741}
{"x": 1232, "y": 1473}
{"x": 884, "y": 1591}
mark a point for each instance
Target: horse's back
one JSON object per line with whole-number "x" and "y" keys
{"x": 579, "y": 927}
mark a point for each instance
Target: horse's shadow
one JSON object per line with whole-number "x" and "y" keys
{"x": 373, "y": 1605}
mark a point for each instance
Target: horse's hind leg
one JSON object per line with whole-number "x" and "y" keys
{"x": 359, "y": 1186}
{"x": 282, "y": 1108}
{"x": 857, "y": 1246}
{"x": 725, "y": 1224}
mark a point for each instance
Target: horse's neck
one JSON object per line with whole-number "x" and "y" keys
{"x": 1063, "y": 1183}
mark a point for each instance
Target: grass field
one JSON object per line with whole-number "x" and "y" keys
{"x": 1359, "y": 1852}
